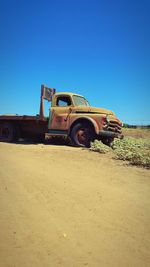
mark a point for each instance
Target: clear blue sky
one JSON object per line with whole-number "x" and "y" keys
{"x": 100, "y": 49}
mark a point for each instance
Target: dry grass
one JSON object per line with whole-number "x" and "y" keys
{"x": 136, "y": 133}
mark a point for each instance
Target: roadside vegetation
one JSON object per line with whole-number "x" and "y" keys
{"x": 134, "y": 150}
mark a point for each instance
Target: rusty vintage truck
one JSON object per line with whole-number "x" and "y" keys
{"x": 70, "y": 116}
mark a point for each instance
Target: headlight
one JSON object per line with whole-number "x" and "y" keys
{"x": 107, "y": 119}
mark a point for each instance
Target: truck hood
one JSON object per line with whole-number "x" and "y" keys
{"x": 95, "y": 110}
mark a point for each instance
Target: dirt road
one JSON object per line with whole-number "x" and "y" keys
{"x": 64, "y": 206}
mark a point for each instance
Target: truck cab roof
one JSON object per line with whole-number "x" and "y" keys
{"x": 67, "y": 93}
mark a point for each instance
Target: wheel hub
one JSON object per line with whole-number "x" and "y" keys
{"x": 82, "y": 136}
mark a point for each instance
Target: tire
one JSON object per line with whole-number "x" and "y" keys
{"x": 8, "y": 132}
{"x": 82, "y": 134}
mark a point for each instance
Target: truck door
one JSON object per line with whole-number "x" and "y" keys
{"x": 59, "y": 113}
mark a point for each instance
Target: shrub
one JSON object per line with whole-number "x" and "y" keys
{"x": 98, "y": 146}
{"x": 136, "y": 151}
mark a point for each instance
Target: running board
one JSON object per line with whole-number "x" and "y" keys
{"x": 56, "y": 133}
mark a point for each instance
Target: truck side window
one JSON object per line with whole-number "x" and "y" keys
{"x": 63, "y": 101}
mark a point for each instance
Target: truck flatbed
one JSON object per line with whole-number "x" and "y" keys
{"x": 12, "y": 127}
{"x": 22, "y": 117}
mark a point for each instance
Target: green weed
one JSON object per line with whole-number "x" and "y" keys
{"x": 136, "y": 151}
{"x": 98, "y": 146}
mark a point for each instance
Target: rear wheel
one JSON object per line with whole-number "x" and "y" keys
{"x": 82, "y": 135}
{"x": 8, "y": 132}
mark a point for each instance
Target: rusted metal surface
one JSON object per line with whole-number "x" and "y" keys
{"x": 64, "y": 117}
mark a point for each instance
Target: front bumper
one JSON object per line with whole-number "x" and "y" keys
{"x": 110, "y": 134}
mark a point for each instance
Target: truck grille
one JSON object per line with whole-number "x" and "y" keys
{"x": 113, "y": 126}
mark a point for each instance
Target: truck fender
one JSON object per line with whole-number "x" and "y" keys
{"x": 83, "y": 119}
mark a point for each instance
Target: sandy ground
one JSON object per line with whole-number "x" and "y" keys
{"x": 64, "y": 206}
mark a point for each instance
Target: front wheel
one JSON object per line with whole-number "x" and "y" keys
{"x": 82, "y": 135}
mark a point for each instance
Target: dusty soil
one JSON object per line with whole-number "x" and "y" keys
{"x": 64, "y": 206}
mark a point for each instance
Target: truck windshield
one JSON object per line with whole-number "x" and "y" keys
{"x": 80, "y": 101}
